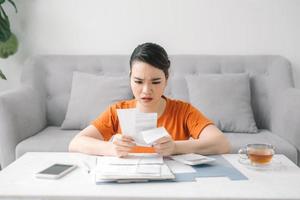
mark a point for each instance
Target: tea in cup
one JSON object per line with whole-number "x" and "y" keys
{"x": 257, "y": 154}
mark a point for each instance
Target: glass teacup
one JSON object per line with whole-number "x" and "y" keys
{"x": 257, "y": 154}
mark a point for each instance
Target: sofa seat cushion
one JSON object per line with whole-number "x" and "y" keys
{"x": 51, "y": 138}
{"x": 239, "y": 140}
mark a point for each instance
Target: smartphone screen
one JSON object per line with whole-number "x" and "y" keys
{"x": 56, "y": 169}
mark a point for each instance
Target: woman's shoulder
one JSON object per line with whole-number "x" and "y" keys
{"x": 181, "y": 106}
{"x": 124, "y": 104}
{"x": 178, "y": 103}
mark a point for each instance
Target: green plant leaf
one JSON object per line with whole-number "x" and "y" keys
{"x": 5, "y": 32}
{"x": 2, "y": 75}
{"x": 9, "y": 47}
{"x": 14, "y": 5}
{"x": 3, "y": 12}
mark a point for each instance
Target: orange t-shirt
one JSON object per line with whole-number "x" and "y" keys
{"x": 179, "y": 118}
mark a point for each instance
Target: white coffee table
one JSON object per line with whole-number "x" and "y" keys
{"x": 18, "y": 181}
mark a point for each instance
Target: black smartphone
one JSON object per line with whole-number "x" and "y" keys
{"x": 55, "y": 171}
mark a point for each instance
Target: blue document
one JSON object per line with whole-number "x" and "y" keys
{"x": 219, "y": 168}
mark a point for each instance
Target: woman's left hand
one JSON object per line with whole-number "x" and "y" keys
{"x": 165, "y": 146}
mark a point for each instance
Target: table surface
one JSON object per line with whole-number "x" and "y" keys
{"x": 282, "y": 181}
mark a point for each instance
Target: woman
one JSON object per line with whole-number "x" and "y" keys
{"x": 149, "y": 72}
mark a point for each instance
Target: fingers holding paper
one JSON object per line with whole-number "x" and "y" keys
{"x": 122, "y": 145}
{"x": 164, "y": 146}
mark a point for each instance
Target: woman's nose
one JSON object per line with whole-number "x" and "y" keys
{"x": 147, "y": 88}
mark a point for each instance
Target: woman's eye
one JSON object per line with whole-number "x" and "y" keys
{"x": 138, "y": 82}
{"x": 155, "y": 82}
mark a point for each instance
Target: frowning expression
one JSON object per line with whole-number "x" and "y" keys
{"x": 148, "y": 84}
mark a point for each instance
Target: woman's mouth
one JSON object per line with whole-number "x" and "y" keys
{"x": 146, "y": 99}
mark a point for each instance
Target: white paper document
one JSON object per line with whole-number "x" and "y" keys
{"x": 178, "y": 167}
{"x": 150, "y": 136}
{"x": 144, "y": 121}
{"x": 133, "y": 122}
{"x": 127, "y": 121}
{"x": 149, "y": 169}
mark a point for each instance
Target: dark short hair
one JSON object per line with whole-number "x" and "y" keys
{"x": 152, "y": 54}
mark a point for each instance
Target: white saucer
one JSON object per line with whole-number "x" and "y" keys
{"x": 273, "y": 165}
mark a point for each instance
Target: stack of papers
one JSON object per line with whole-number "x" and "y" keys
{"x": 133, "y": 167}
{"x": 132, "y": 159}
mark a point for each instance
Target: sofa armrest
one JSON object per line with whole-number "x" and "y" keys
{"x": 286, "y": 117}
{"x": 22, "y": 115}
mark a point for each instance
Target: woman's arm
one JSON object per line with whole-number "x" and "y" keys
{"x": 90, "y": 141}
{"x": 210, "y": 141}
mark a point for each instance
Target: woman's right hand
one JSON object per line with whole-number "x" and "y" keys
{"x": 122, "y": 145}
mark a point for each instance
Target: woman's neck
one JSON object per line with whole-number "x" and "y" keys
{"x": 159, "y": 108}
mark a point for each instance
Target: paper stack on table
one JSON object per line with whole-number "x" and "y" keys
{"x": 132, "y": 168}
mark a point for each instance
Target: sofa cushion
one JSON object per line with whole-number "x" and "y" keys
{"x": 225, "y": 99}
{"x": 239, "y": 140}
{"x": 90, "y": 95}
{"x": 51, "y": 139}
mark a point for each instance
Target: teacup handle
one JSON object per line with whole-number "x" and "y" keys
{"x": 243, "y": 153}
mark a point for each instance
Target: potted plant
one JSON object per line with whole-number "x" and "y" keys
{"x": 8, "y": 40}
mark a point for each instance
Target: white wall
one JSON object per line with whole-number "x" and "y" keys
{"x": 181, "y": 26}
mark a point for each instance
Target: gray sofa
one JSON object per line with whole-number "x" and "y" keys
{"x": 31, "y": 115}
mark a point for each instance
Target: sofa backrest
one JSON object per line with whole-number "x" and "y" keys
{"x": 51, "y": 75}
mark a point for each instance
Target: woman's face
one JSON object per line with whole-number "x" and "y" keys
{"x": 148, "y": 84}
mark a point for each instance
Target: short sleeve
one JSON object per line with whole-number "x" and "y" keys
{"x": 106, "y": 123}
{"x": 196, "y": 121}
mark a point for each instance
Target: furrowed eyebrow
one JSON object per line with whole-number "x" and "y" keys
{"x": 140, "y": 79}
{"x": 154, "y": 79}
